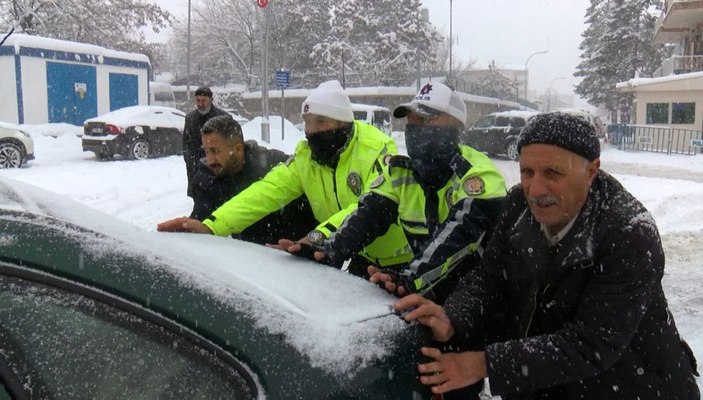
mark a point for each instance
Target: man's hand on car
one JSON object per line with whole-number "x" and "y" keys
{"x": 386, "y": 281}
{"x": 183, "y": 224}
{"x": 302, "y": 248}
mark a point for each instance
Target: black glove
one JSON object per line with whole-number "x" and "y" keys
{"x": 402, "y": 278}
{"x": 308, "y": 251}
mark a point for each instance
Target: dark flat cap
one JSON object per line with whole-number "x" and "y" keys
{"x": 564, "y": 130}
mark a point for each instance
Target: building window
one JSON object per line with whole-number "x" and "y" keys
{"x": 657, "y": 113}
{"x": 683, "y": 113}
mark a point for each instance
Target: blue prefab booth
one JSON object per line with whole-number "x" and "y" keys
{"x": 49, "y": 81}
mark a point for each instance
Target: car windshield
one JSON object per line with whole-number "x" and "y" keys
{"x": 485, "y": 122}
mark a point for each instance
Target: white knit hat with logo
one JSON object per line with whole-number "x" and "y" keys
{"x": 329, "y": 100}
{"x": 434, "y": 98}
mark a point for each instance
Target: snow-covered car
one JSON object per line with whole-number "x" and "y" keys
{"x": 16, "y": 146}
{"x": 378, "y": 116}
{"x": 589, "y": 117}
{"x": 237, "y": 117}
{"x": 497, "y": 133}
{"x": 136, "y": 132}
{"x": 93, "y": 307}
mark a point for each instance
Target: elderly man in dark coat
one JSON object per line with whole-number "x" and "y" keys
{"x": 192, "y": 150}
{"x": 575, "y": 267}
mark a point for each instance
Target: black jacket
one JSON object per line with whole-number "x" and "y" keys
{"x": 292, "y": 221}
{"x": 192, "y": 145}
{"x": 584, "y": 319}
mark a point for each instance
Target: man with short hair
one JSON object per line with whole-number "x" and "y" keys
{"x": 333, "y": 167}
{"x": 575, "y": 264}
{"x": 192, "y": 152}
{"x": 230, "y": 166}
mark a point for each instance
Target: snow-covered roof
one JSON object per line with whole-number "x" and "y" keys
{"x": 409, "y": 91}
{"x": 19, "y": 41}
{"x": 633, "y": 83}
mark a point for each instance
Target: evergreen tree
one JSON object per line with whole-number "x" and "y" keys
{"x": 617, "y": 46}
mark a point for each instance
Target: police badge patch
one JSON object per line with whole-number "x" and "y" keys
{"x": 474, "y": 186}
{"x": 354, "y": 183}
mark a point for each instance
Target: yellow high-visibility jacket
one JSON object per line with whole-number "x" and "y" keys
{"x": 333, "y": 193}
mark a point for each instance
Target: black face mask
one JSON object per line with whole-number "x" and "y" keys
{"x": 431, "y": 150}
{"x": 326, "y": 146}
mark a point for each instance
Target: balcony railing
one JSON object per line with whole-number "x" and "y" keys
{"x": 677, "y": 65}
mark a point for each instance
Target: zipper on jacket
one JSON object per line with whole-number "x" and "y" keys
{"x": 334, "y": 186}
{"x": 534, "y": 308}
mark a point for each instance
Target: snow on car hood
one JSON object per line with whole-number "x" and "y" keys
{"x": 143, "y": 115}
{"x": 339, "y": 321}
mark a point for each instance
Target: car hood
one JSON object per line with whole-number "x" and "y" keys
{"x": 339, "y": 322}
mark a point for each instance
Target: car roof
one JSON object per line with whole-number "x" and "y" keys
{"x": 338, "y": 322}
{"x": 368, "y": 107}
{"x": 514, "y": 113}
{"x": 143, "y": 115}
{"x": 575, "y": 111}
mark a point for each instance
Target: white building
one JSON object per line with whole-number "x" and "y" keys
{"x": 674, "y": 97}
{"x": 49, "y": 81}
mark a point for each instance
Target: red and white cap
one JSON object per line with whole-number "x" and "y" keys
{"x": 434, "y": 98}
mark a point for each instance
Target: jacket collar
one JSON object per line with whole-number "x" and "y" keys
{"x": 574, "y": 250}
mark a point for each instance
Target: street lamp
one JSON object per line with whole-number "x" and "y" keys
{"x": 527, "y": 61}
{"x": 549, "y": 91}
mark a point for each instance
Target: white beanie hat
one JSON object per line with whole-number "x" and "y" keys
{"x": 329, "y": 100}
{"x": 433, "y": 99}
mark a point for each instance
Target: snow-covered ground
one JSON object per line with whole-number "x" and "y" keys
{"x": 146, "y": 192}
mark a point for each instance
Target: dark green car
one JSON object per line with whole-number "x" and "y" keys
{"x": 94, "y": 308}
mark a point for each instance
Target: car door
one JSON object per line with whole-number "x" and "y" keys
{"x": 478, "y": 135}
{"x": 516, "y": 125}
{"x": 498, "y": 135}
{"x": 163, "y": 136}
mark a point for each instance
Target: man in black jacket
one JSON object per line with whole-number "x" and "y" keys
{"x": 230, "y": 166}
{"x": 192, "y": 152}
{"x": 575, "y": 264}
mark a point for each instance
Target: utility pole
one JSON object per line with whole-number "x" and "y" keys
{"x": 451, "y": 45}
{"x": 265, "y": 126}
{"x": 188, "y": 57}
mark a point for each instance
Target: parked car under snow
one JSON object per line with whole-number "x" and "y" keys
{"x": 16, "y": 146}
{"x": 93, "y": 307}
{"x": 137, "y": 133}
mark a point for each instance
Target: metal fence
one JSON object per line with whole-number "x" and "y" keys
{"x": 657, "y": 139}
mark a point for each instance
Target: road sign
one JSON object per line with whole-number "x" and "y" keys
{"x": 282, "y": 79}
{"x": 262, "y": 3}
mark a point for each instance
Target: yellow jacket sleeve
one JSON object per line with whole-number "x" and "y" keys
{"x": 278, "y": 188}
